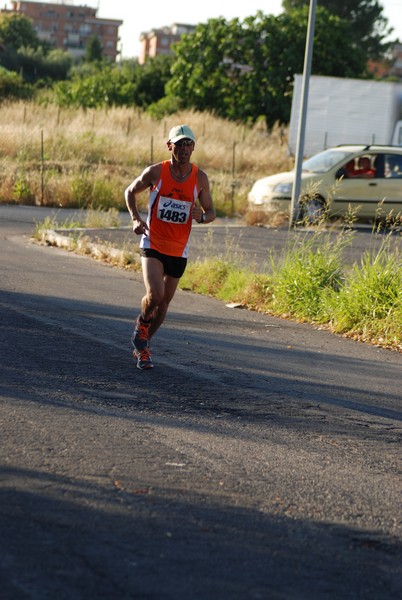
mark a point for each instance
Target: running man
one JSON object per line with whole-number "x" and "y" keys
{"x": 175, "y": 186}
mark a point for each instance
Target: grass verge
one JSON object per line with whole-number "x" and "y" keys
{"x": 307, "y": 282}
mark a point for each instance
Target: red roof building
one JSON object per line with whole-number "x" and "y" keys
{"x": 69, "y": 27}
{"x": 159, "y": 41}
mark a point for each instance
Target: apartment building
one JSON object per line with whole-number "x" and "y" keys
{"x": 396, "y": 60}
{"x": 69, "y": 27}
{"x": 381, "y": 69}
{"x": 159, "y": 41}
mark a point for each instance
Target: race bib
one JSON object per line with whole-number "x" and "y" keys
{"x": 174, "y": 211}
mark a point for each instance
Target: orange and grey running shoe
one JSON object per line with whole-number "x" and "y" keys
{"x": 139, "y": 338}
{"x": 144, "y": 360}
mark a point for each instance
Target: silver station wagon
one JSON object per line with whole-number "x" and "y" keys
{"x": 358, "y": 176}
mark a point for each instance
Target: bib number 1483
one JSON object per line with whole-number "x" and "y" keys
{"x": 166, "y": 214}
{"x": 174, "y": 211}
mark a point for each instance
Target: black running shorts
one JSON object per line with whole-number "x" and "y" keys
{"x": 174, "y": 266}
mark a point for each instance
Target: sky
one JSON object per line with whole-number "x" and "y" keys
{"x": 138, "y": 17}
{"x": 144, "y": 16}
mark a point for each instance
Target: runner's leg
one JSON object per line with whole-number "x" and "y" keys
{"x": 152, "y": 272}
{"x": 160, "y": 311}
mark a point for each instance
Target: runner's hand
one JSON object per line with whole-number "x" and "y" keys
{"x": 197, "y": 213}
{"x": 140, "y": 227}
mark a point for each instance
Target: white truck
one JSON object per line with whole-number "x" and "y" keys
{"x": 346, "y": 111}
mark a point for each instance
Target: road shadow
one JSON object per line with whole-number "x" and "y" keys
{"x": 105, "y": 532}
{"x": 93, "y": 537}
{"x": 83, "y": 349}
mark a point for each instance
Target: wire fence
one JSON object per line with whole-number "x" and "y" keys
{"x": 66, "y": 157}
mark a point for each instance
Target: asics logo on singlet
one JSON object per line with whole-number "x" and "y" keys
{"x": 174, "y": 205}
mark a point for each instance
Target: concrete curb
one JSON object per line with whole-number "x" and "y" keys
{"x": 83, "y": 246}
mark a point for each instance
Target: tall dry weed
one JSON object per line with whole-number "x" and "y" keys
{"x": 114, "y": 145}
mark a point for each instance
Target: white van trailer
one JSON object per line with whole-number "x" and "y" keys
{"x": 346, "y": 111}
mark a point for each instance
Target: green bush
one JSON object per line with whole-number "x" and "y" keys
{"x": 81, "y": 189}
{"x": 103, "y": 194}
{"x": 304, "y": 274}
{"x": 108, "y": 87}
{"x": 370, "y": 301}
{"x": 164, "y": 107}
{"x": 22, "y": 191}
{"x": 12, "y": 86}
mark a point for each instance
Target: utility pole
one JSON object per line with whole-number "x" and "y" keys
{"x": 294, "y": 206}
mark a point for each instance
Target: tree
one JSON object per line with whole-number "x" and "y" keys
{"x": 148, "y": 80}
{"x": 242, "y": 71}
{"x": 369, "y": 27}
{"x": 205, "y": 66}
{"x": 24, "y": 53}
{"x": 57, "y": 64}
{"x": 17, "y": 31}
{"x": 93, "y": 51}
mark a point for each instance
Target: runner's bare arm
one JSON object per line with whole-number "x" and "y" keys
{"x": 146, "y": 180}
{"x": 207, "y": 206}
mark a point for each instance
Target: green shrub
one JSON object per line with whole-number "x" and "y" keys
{"x": 12, "y": 86}
{"x": 81, "y": 189}
{"x": 164, "y": 107}
{"x": 22, "y": 191}
{"x": 370, "y": 301}
{"x": 103, "y": 194}
{"x": 304, "y": 274}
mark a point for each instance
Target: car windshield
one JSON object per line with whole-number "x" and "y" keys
{"x": 324, "y": 161}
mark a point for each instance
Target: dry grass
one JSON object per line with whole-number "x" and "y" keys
{"x": 261, "y": 218}
{"x": 89, "y": 157}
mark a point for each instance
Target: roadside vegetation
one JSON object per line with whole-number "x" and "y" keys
{"x": 75, "y": 132}
{"x": 75, "y": 158}
{"x": 248, "y": 64}
{"x": 308, "y": 282}
{"x": 73, "y": 135}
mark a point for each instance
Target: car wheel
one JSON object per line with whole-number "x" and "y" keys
{"x": 312, "y": 210}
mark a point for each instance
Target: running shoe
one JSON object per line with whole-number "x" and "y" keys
{"x": 144, "y": 360}
{"x": 139, "y": 338}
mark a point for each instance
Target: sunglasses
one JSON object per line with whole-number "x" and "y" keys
{"x": 182, "y": 143}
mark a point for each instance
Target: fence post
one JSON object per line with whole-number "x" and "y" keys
{"x": 42, "y": 168}
{"x": 233, "y": 177}
{"x": 234, "y": 160}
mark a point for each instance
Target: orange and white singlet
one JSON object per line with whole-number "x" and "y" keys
{"x": 170, "y": 213}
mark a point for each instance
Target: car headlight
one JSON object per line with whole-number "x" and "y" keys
{"x": 260, "y": 193}
{"x": 283, "y": 188}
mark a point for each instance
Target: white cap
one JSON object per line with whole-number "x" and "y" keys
{"x": 181, "y": 132}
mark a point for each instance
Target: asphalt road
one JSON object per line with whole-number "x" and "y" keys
{"x": 260, "y": 459}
